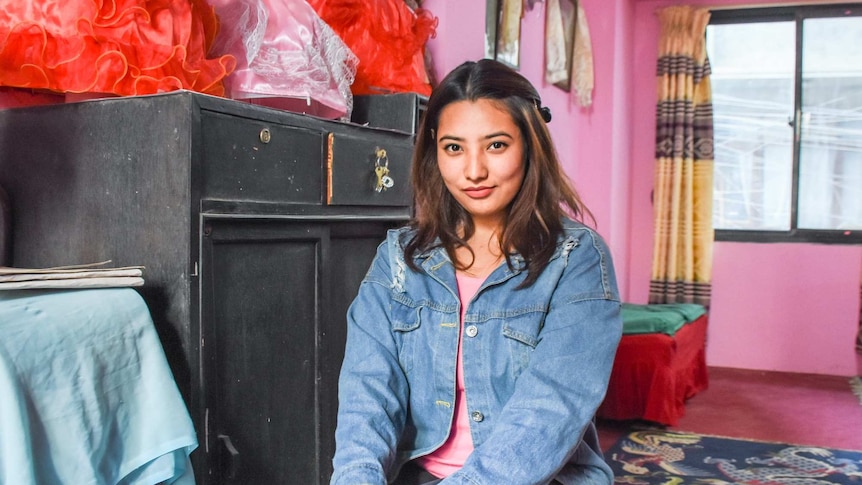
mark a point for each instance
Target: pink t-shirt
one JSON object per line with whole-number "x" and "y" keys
{"x": 450, "y": 457}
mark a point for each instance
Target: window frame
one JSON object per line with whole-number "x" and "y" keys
{"x": 783, "y": 14}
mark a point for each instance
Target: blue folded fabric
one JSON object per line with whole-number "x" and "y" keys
{"x": 86, "y": 394}
{"x": 665, "y": 318}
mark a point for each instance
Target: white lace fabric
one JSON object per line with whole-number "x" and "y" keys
{"x": 287, "y": 57}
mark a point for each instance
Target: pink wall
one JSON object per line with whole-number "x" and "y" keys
{"x": 785, "y": 307}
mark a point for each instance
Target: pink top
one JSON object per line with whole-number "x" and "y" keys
{"x": 450, "y": 457}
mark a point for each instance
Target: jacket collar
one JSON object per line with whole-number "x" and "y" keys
{"x": 435, "y": 259}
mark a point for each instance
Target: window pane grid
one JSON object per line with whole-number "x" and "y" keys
{"x": 830, "y": 158}
{"x": 753, "y": 91}
{"x": 754, "y": 98}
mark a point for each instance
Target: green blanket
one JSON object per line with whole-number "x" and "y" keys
{"x": 659, "y": 318}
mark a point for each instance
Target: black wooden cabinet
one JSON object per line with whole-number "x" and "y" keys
{"x": 278, "y": 288}
{"x": 255, "y": 226}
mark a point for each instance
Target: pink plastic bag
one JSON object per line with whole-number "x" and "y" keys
{"x": 287, "y": 57}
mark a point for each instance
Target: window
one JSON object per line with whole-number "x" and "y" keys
{"x": 787, "y": 99}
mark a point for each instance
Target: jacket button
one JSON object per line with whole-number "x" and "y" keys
{"x": 472, "y": 331}
{"x": 477, "y": 416}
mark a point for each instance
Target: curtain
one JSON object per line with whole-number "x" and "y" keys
{"x": 682, "y": 196}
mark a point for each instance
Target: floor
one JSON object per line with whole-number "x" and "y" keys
{"x": 781, "y": 407}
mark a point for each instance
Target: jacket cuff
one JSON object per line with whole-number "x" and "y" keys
{"x": 358, "y": 475}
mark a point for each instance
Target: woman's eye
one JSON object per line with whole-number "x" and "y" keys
{"x": 452, "y": 147}
{"x": 497, "y": 145}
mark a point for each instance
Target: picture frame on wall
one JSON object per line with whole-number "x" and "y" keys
{"x": 503, "y": 31}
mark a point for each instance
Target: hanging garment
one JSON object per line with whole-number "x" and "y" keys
{"x": 583, "y": 77}
{"x": 559, "y": 38}
{"x": 122, "y": 47}
{"x": 568, "y": 50}
{"x": 287, "y": 57}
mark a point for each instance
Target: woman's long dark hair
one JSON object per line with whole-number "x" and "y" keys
{"x": 534, "y": 220}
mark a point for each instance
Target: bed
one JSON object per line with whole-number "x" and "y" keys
{"x": 86, "y": 394}
{"x": 660, "y": 363}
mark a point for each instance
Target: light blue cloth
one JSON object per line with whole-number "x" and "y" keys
{"x": 86, "y": 394}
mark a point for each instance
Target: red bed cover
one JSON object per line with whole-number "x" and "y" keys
{"x": 654, "y": 374}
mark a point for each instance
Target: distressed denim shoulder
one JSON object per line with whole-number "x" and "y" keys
{"x": 536, "y": 364}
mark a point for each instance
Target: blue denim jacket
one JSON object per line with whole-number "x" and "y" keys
{"x": 536, "y": 366}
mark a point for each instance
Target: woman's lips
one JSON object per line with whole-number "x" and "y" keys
{"x": 478, "y": 192}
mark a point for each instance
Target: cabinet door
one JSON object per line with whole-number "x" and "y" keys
{"x": 274, "y": 297}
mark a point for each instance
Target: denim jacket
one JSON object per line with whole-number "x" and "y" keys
{"x": 536, "y": 366}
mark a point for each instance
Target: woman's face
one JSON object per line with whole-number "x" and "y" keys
{"x": 480, "y": 154}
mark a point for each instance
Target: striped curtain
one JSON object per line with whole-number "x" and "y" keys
{"x": 682, "y": 197}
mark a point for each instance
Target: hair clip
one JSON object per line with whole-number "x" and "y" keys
{"x": 544, "y": 111}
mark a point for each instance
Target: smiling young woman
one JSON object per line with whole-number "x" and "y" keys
{"x": 480, "y": 155}
{"x": 482, "y": 338}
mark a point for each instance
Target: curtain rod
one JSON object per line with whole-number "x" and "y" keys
{"x": 776, "y": 5}
{"x": 742, "y": 6}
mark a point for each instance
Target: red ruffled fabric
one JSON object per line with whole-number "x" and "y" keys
{"x": 388, "y": 38}
{"x": 121, "y": 47}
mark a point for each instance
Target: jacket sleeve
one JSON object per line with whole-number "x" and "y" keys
{"x": 542, "y": 425}
{"x": 372, "y": 388}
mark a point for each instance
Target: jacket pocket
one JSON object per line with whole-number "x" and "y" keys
{"x": 405, "y": 321}
{"x": 522, "y": 337}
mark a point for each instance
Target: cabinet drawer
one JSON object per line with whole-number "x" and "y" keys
{"x": 254, "y": 160}
{"x": 354, "y": 156}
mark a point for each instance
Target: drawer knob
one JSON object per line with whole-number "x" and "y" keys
{"x": 381, "y": 170}
{"x": 265, "y": 135}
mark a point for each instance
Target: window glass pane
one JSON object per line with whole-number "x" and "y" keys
{"x": 830, "y": 157}
{"x": 752, "y": 79}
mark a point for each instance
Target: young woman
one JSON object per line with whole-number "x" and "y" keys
{"x": 482, "y": 338}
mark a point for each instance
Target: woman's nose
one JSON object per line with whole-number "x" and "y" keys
{"x": 477, "y": 168}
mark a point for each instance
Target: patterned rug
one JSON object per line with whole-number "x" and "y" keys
{"x": 648, "y": 457}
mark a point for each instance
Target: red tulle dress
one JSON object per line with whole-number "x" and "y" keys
{"x": 389, "y": 39}
{"x": 110, "y": 47}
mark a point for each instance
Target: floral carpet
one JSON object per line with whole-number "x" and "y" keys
{"x": 655, "y": 456}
